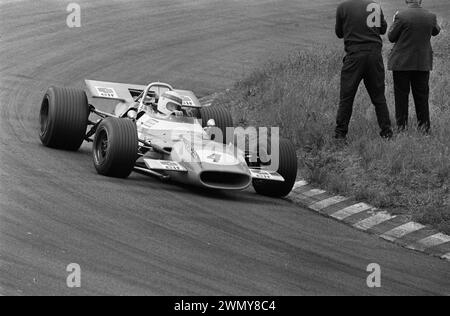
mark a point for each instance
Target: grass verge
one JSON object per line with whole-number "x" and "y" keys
{"x": 408, "y": 175}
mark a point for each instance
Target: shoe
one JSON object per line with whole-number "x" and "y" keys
{"x": 340, "y": 140}
{"x": 387, "y": 134}
{"x": 340, "y": 137}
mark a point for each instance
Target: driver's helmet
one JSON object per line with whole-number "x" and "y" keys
{"x": 170, "y": 102}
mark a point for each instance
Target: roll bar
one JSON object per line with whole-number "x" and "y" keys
{"x": 149, "y": 87}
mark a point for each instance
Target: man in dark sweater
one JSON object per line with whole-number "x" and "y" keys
{"x": 411, "y": 60}
{"x": 361, "y": 23}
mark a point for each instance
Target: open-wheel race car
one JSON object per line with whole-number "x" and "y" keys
{"x": 159, "y": 131}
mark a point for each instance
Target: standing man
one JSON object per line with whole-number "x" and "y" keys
{"x": 361, "y": 23}
{"x": 411, "y": 60}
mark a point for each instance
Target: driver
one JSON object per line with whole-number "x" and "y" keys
{"x": 170, "y": 103}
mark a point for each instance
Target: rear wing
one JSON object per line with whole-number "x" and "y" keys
{"x": 114, "y": 91}
{"x": 125, "y": 92}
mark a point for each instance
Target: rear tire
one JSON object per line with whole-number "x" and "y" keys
{"x": 64, "y": 118}
{"x": 115, "y": 149}
{"x": 221, "y": 116}
{"x": 287, "y": 169}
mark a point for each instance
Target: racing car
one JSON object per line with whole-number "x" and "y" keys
{"x": 163, "y": 132}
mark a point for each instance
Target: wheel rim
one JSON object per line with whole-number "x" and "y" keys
{"x": 101, "y": 147}
{"x": 43, "y": 116}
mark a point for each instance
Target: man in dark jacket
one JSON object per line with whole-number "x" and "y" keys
{"x": 411, "y": 60}
{"x": 361, "y": 23}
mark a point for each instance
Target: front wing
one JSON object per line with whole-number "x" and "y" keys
{"x": 168, "y": 165}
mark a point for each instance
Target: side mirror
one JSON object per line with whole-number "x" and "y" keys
{"x": 132, "y": 114}
{"x": 211, "y": 123}
{"x": 209, "y": 129}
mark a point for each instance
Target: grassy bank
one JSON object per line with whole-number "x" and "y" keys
{"x": 408, "y": 175}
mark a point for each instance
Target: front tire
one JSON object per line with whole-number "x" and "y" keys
{"x": 115, "y": 149}
{"x": 64, "y": 118}
{"x": 288, "y": 166}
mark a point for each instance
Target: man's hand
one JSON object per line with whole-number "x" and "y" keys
{"x": 396, "y": 29}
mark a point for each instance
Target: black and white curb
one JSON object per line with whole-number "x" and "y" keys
{"x": 394, "y": 228}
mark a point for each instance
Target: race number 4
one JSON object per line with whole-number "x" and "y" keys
{"x": 374, "y": 18}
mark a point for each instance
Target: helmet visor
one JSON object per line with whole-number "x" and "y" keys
{"x": 171, "y": 106}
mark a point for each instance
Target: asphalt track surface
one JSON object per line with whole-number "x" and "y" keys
{"x": 141, "y": 236}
